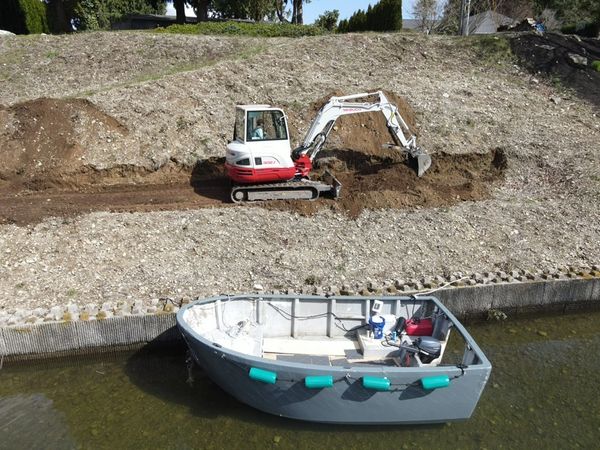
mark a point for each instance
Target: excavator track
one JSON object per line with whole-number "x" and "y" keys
{"x": 290, "y": 190}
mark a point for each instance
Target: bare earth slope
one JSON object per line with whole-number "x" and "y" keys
{"x": 518, "y": 164}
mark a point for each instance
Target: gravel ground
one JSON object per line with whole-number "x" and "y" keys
{"x": 544, "y": 214}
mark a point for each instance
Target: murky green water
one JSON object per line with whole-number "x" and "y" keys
{"x": 544, "y": 392}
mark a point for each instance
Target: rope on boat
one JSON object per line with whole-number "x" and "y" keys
{"x": 439, "y": 287}
{"x": 341, "y": 326}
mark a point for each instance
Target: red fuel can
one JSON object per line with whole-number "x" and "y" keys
{"x": 419, "y": 327}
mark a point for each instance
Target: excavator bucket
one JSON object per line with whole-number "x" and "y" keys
{"x": 331, "y": 180}
{"x": 423, "y": 162}
{"x": 417, "y": 158}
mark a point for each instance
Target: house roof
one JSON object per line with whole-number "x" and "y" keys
{"x": 414, "y": 24}
{"x": 488, "y": 22}
{"x": 410, "y": 24}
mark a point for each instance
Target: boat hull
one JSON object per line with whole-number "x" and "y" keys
{"x": 347, "y": 401}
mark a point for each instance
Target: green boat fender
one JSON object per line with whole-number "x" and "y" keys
{"x": 318, "y": 381}
{"x": 265, "y": 376}
{"x": 435, "y": 382}
{"x": 376, "y": 383}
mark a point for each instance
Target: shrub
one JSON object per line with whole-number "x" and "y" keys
{"x": 328, "y": 20}
{"x": 23, "y": 16}
{"x": 386, "y": 15}
{"x": 245, "y": 29}
{"x": 586, "y": 29}
{"x": 596, "y": 65}
{"x": 35, "y": 16}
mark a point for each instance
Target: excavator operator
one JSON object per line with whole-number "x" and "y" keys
{"x": 258, "y": 132}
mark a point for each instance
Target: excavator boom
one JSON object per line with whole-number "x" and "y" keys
{"x": 339, "y": 106}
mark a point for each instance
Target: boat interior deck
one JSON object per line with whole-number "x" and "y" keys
{"x": 351, "y": 359}
{"x": 340, "y": 351}
{"x": 321, "y": 331}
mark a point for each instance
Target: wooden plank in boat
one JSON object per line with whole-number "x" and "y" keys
{"x": 326, "y": 347}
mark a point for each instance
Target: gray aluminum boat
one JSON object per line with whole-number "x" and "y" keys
{"x": 352, "y": 360}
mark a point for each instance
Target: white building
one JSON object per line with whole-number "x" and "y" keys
{"x": 487, "y": 22}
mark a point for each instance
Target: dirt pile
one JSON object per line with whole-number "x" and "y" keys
{"x": 43, "y": 140}
{"x": 386, "y": 181}
{"x": 374, "y": 177}
{"x": 567, "y": 59}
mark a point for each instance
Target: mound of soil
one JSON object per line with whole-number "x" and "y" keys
{"x": 45, "y": 139}
{"x": 364, "y": 132}
{"x": 377, "y": 182}
{"x": 376, "y": 177}
{"x": 568, "y": 58}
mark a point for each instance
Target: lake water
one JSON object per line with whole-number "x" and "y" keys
{"x": 544, "y": 392}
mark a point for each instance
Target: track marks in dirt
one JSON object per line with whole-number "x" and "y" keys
{"x": 369, "y": 182}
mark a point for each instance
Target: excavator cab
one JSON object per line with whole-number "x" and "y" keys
{"x": 260, "y": 150}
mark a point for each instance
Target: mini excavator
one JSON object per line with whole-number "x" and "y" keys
{"x": 262, "y": 166}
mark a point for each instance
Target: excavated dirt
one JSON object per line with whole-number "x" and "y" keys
{"x": 377, "y": 182}
{"x": 43, "y": 140}
{"x": 44, "y": 174}
{"x": 364, "y": 132}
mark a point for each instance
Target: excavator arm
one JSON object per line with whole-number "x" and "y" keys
{"x": 340, "y": 106}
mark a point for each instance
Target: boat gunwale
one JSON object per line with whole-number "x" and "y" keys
{"x": 483, "y": 364}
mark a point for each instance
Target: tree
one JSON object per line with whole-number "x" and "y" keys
{"x": 23, "y": 16}
{"x": 451, "y": 16}
{"x": 386, "y": 15}
{"x": 571, "y": 11}
{"x": 297, "y": 11}
{"x": 328, "y": 20}
{"x": 428, "y": 13}
{"x": 179, "y": 6}
{"x": 201, "y": 8}
{"x": 60, "y": 13}
{"x": 256, "y": 10}
{"x": 96, "y": 14}
{"x": 259, "y": 9}
{"x": 280, "y": 6}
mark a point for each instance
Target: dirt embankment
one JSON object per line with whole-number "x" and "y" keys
{"x": 567, "y": 59}
{"x": 174, "y": 99}
{"x": 43, "y": 140}
{"x": 44, "y": 173}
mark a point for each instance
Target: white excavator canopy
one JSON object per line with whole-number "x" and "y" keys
{"x": 271, "y": 121}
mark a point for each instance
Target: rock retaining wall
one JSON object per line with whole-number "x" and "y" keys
{"x": 71, "y": 328}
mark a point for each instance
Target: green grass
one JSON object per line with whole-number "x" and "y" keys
{"x": 492, "y": 49}
{"x": 245, "y": 29}
{"x": 596, "y": 65}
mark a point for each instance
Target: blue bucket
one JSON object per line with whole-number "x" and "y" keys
{"x": 377, "y": 323}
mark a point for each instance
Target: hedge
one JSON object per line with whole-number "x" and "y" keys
{"x": 23, "y": 16}
{"x": 245, "y": 29}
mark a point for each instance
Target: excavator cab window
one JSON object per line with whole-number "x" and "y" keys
{"x": 238, "y": 131}
{"x": 265, "y": 126}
